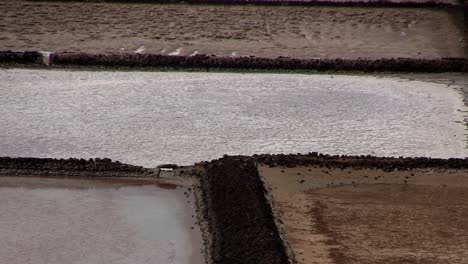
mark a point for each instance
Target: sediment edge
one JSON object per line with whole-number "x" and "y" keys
{"x": 71, "y": 167}
{"x": 359, "y": 3}
{"x": 209, "y": 63}
{"x": 238, "y": 214}
{"x": 361, "y": 161}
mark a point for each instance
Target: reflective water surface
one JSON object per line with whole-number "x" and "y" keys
{"x": 57, "y": 221}
{"x": 149, "y": 118}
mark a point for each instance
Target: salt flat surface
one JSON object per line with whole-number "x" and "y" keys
{"x": 148, "y": 118}
{"x": 100, "y": 223}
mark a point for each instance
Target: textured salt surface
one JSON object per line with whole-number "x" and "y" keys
{"x": 105, "y": 224}
{"x": 148, "y": 118}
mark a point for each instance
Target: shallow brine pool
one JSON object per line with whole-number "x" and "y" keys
{"x": 57, "y": 221}
{"x": 149, "y": 118}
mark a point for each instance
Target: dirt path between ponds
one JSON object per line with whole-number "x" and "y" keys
{"x": 371, "y": 216}
{"x": 262, "y": 31}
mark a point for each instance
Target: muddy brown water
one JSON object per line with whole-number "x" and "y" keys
{"x": 56, "y": 221}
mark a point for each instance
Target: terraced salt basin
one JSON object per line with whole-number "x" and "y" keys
{"x": 56, "y": 221}
{"x": 149, "y": 118}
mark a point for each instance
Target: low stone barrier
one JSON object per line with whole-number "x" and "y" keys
{"x": 361, "y": 3}
{"x": 15, "y": 57}
{"x": 205, "y": 62}
{"x": 367, "y": 161}
{"x": 69, "y": 167}
{"x": 238, "y": 214}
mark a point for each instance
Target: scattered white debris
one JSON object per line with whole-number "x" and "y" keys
{"x": 164, "y": 50}
{"x": 403, "y": 34}
{"x": 194, "y": 53}
{"x": 45, "y": 53}
{"x": 140, "y": 49}
{"x": 45, "y": 57}
{"x": 177, "y": 52}
{"x": 122, "y": 49}
{"x": 234, "y": 54}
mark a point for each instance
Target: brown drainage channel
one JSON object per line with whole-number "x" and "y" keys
{"x": 236, "y": 205}
{"x": 205, "y": 62}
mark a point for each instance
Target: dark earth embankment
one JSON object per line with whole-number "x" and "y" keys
{"x": 69, "y": 167}
{"x": 252, "y": 63}
{"x": 239, "y": 216}
{"x": 207, "y": 63}
{"x": 369, "y": 162}
{"x": 27, "y": 57}
{"x": 368, "y": 3}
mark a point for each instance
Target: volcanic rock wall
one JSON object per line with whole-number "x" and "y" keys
{"x": 27, "y": 57}
{"x": 252, "y": 63}
{"x": 343, "y": 161}
{"x": 238, "y": 214}
{"x": 69, "y": 167}
{"x": 370, "y": 3}
{"x": 204, "y": 62}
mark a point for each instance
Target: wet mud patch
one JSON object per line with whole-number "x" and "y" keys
{"x": 368, "y": 209}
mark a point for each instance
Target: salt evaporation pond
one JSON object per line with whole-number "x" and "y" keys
{"x": 149, "y": 118}
{"x": 57, "y": 221}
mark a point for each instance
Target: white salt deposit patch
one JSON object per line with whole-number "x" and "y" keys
{"x": 149, "y": 118}
{"x": 233, "y": 54}
{"x": 177, "y": 52}
{"x": 140, "y": 49}
{"x": 194, "y": 53}
{"x": 45, "y": 53}
{"x": 45, "y": 57}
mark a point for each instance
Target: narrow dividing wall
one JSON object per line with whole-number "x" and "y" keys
{"x": 238, "y": 214}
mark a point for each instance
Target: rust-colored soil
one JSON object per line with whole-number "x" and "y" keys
{"x": 371, "y": 216}
{"x": 264, "y": 31}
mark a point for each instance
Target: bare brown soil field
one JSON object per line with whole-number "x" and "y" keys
{"x": 288, "y": 2}
{"x": 262, "y": 31}
{"x": 371, "y": 216}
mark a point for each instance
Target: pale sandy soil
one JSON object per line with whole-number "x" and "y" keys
{"x": 369, "y": 216}
{"x": 302, "y": 32}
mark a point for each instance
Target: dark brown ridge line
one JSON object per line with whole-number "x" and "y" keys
{"x": 20, "y": 57}
{"x": 371, "y": 3}
{"x": 238, "y": 214}
{"x": 362, "y": 161}
{"x": 70, "y": 167}
{"x": 286, "y": 160}
{"x": 205, "y": 62}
